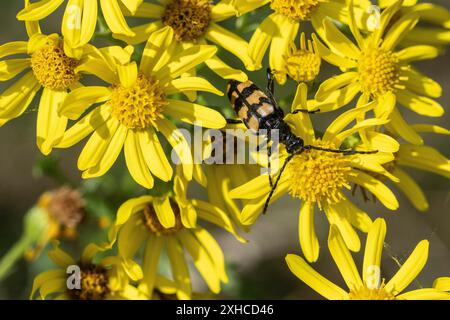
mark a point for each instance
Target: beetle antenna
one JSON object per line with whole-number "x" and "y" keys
{"x": 269, "y": 197}
{"x": 345, "y": 152}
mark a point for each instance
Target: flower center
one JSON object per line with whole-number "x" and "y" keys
{"x": 66, "y": 205}
{"x": 189, "y": 19}
{"x": 52, "y": 68}
{"x": 303, "y": 64}
{"x": 138, "y": 107}
{"x": 317, "y": 176}
{"x": 295, "y": 9}
{"x": 151, "y": 220}
{"x": 364, "y": 293}
{"x": 94, "y": 284}
{"x": 378, "y": 71}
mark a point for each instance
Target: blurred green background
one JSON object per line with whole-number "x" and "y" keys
{"x": 257, "y": 270}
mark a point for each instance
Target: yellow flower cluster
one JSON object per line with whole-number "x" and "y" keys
{"x": 149, "y": 84}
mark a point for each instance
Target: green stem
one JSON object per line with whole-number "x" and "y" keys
{"x": 14, "y": 254}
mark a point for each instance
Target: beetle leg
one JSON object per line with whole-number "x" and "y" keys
{"x": 305, "y": 111}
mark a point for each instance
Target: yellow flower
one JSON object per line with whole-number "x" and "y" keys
{"x": 48, "y": 68}
{"x": 80, "y": 18}
{"x": 303, "y": 63}
{"x": 219, "y": 179}
{"x": 169, "y": 223}
{"x": 421, "y": 157}
{"x": 370, "y": 286}
{"x": 442, "y": 284}
{"x": 281, "y": 27}
{"x": 104, "y": 280}
{"x": 320, "y": 178}
{"x": 135, "y": 107}
{"x": 374, "y": 69}
{"x": 436, "y": 28}
{"x": 65, "y": 209}
{"x": 194, "y": 22}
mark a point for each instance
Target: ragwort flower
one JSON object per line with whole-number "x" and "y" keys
{"x": 370, "y": 286}
{"x": 135, "y": 107}
{"x": 194, "y": 22}
{"x": 319, "y": 178}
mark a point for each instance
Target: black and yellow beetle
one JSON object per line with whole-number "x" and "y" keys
{"x": 258, "y": 110}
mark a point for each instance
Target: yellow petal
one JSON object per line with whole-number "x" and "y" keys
{"x": 425, "y": 294}
{"x": 375, "y": 186}
{"x": 132, "y": 5}
{"x": 334, "y": 83}
{"x": 410, "y": 269}
{"x": 307, "y": 232}
{"x": 344, "y": 120}
{"x": 421, "y": 84}
{"x": 419, "y": 104}
{"x": 60, "y": 257}
{"x": 343, "y": 259}
{"x": 202, "y": 260}
{"x": 186, "y": 60}
{"x": 382, "y": 142}
{"x": 97, "y": 144}
{"x": 130, "y": 207}
{"x": 50, "y": 125}
{"x": 195, "y": 114}
{"x": 313, "y": 279}
{"x": 372, "y": 253}
{"x": 254, "y": 188}
{"x": 402, "y": 128}
{"x": 80, "y": 99}
{"x": 442, "y": 284}
{"x": 109, "y": 156}
{"x": 98, "y": 68}
{"x": 339, "y": 42}
{"x": 430, "y": 128}
{"x": 85, "y": 126}
{"x": 154, "y": 155}
{"x": 424, "y": 158}
{"x": 179, "y": 145}
{"x": 12, "y": 48}
{"x": 136, "y": 162}
{"x": 262, "y": 37}
{"x": 224, "y": 70}
{"x": 114, "y": 17}
{"x": 399, "y": 30}
{"x": 39, "y": 10}
{"x": 11, "y": 68}
{"x": 339, "y": 219}
{"x": 141, "y": 33}
{"x": 164, "y": 212}
{"x": 16, "y": 98}
{"x": 71, "y": 24}
{"x": 279, "y": 46}
{"x": 46, "y": 276}
{"x": 150, "y": 264}
{"x": 357, "y": 217}
{"x": 332, "y": 58}
{"x": 416, "y": 53}
{"x": 128, "y": 74}
{"x": 191, "y": 84}
{"x": 156, "y": 45}
{"x": 222, "y": 10}
{"x": 411, "y": 190}
{"x": 230, "y": 42}
{"x": 147, "y": 10}
{"x": 214, "y": 251}
{"x": 179, "y": 268}
{"x": 216, "y": 216}
{"x": 89, "y": 21}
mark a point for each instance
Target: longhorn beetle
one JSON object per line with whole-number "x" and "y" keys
{"x": 259, "y": 110}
